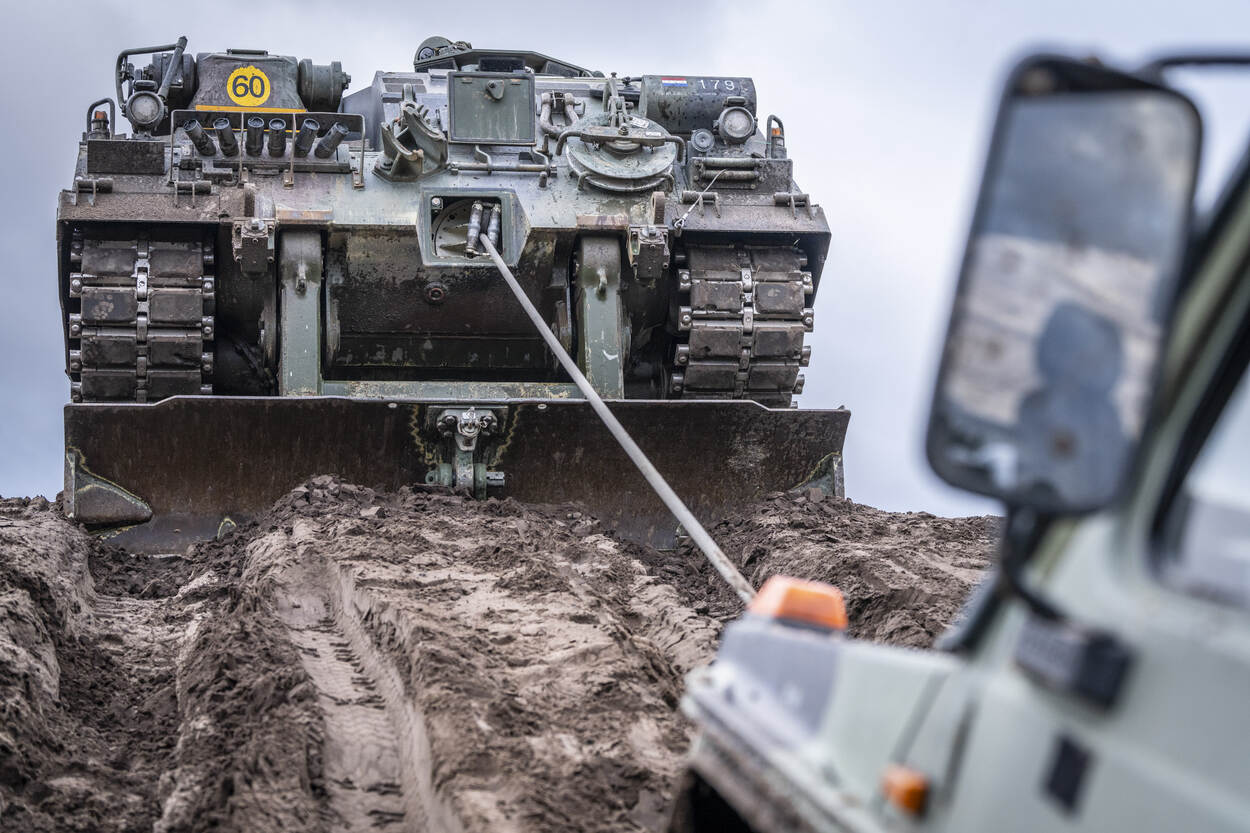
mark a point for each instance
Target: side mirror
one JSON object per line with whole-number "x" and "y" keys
{"x": 1067, "y": 287}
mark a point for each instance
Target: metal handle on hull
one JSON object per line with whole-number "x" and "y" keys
{"x": 674, "y": 503}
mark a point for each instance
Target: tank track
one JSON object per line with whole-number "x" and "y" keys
{"x": 139, "y": 316}
{"x": 741, "y": 330}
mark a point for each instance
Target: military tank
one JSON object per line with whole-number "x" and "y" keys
{"x": 264, "y": 279}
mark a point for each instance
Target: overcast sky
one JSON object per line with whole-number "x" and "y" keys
{"x": 886, "y": 105}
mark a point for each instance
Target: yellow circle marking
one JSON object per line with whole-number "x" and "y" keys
{"x": 248, "y": 86}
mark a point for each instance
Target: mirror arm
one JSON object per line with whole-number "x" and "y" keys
{"x": 1154, "y": 69}
{"x": 1024, "y": 529}
{"x": 975, "y": 617}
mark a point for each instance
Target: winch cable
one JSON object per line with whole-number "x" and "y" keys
{"x": 688, "y": 521}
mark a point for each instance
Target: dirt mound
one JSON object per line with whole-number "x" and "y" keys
{"x": 248, "y": 756}
{"x": 127, "y": 706}
{"x": 119, "y": 573}
{"x": 87, "y": 709}
{"x": 514, "y": 668}
{"x": 905, "y": 575}
{"x": 412, "y": 661}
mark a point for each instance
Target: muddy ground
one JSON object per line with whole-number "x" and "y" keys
{"x": 413, "y": 661}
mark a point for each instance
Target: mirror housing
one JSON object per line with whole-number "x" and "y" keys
{"x": 1067, "y": 287}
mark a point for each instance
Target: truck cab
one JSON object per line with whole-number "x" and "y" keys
{"x": 1095, "y": 380}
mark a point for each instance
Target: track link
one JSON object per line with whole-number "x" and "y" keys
{"x": 139, "y": 315}
{"x": 743, "y": 327}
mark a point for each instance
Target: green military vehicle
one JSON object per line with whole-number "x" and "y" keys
{"x": 266, "y": 279}
{"x": 1095, "y": 380}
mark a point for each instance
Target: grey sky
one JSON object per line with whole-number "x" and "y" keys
{"x": 886, "y": 107}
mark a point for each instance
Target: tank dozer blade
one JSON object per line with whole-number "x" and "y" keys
{"x": 189, "y": 468}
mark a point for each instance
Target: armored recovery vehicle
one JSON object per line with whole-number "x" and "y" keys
{"x": 265, "y": 279}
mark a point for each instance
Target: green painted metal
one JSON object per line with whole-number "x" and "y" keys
{"x": 299, "y": 362}
{"x": 491, "y": 108}
{"x": 600, "y": 346}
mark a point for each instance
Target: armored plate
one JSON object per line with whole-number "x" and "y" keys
{"x": 491, "y": 108}
{"x": 125, "y": 156}
{"x": 205, "y": 459}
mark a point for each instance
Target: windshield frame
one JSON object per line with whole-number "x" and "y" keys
{"x": 1231, "y": 371}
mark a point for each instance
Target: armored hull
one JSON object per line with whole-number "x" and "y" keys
{"x": 260, "y": 239}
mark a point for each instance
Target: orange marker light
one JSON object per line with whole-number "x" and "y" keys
{"x": 905, "y": 788}
{"x": 810, "y": 602}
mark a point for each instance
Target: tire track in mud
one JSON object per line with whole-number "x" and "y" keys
{"x": 120, "y": 620}
{"x": 377, "y": 757}
{"x": 535, "y": 671}
{"x": 361, "y": 756}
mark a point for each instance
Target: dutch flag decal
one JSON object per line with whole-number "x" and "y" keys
{"x": 673, "y": 82}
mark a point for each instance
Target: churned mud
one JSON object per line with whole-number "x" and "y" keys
{"x": 88, "y": 711}
{"x": 904, "y": 575}
{"x": 402, "y": 662}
